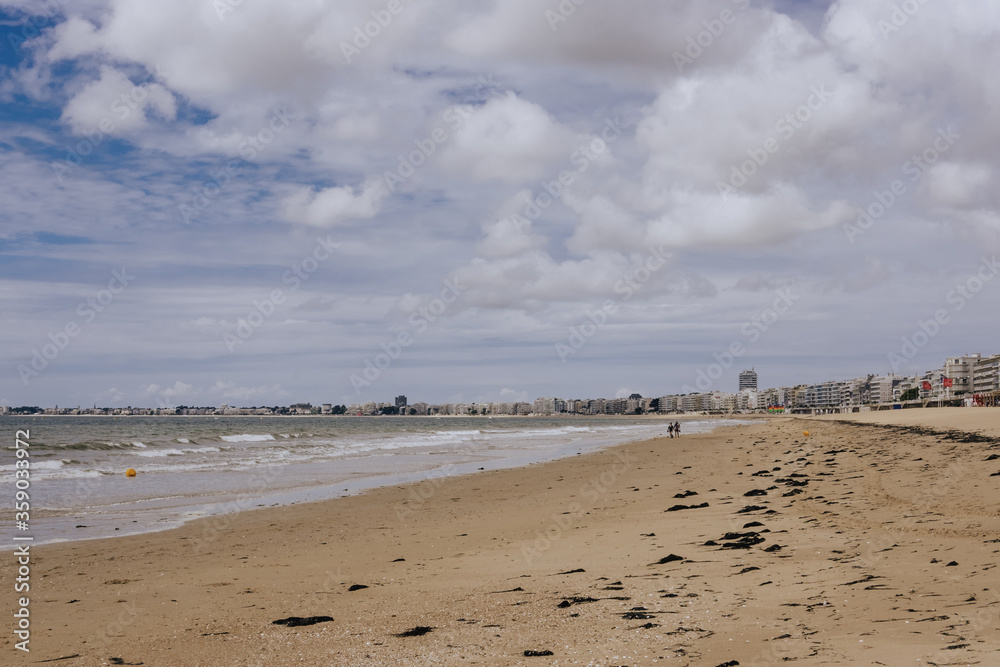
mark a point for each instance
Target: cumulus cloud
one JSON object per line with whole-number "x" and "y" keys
{"x": 333, "y": 206}
{"x": 507, "y": 139}
{"x": 113, "y": 103}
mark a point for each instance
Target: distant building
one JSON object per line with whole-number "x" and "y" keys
{"x": 986, "y": 375}
{"x": 882, "y": 389}
{"x": 401, "y": 404}
{"x": 961, "y": 373}
{"x": 545, "y": 405}
{"x": 748, "y": 380}
{"x": 690, "y": 402}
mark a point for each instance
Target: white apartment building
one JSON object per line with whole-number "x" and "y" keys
{"x": 986, "y": 375}
{"x": 882, "y": 388}
{"x": 961, "y": 372}
{"x": 724, "y": 401}
{"x": 545, "y": 405}
{"x": 690, "y": 402}
{"x": 668, "y": 404}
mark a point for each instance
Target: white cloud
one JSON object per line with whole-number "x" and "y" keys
{"x": 113, "y": 104}
{"x": 230, "y": 390}
{"x": 959, "y": 185}
{"x": 179, "y": 390}
{"x": 702, "y": 219}
{"x": 217, "y": 80}
{"x": 508, "y": 139}
{"x": 333, "y": 206}
{"x": 110, "y": 397}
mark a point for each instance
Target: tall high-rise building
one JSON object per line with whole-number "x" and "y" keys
{"x": 748, "y": 380}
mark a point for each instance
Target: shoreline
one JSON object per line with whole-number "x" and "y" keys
{"x": 672, "y": 416}
{"x": 508, "y": 561}
{"x": 355, "y": 475}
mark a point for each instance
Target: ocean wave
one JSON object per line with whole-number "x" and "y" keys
{"x": 86, "y": 445}
{"x": 45, "y": 465}
{"x": 160, "y": 453}
{"x": 247, "y": 437}
{"x": 559, "y": 430}
{"x": 46, "y": 470}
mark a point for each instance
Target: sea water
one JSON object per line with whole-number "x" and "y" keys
{"x": 191, "y": 467}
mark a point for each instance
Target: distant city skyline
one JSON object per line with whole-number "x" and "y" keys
{"x": 974, "y": 377}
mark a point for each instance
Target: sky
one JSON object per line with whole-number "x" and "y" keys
{"x": 261, "y": 203}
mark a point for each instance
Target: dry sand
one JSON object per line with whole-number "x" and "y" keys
{"x": 875, "y": 546}
{"x": 977, "y": 420}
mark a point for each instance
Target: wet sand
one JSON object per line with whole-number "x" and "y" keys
{"x": 859, "y": 544}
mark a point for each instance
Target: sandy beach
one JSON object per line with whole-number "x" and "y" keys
{"x": 859, "y": 544}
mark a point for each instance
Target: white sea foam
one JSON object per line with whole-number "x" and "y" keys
{"x": 184, "y": 441}
{"x": 50, "y": 470}
{"x": 248, "y": 437}
{"x": 158, "y": 453}
{"x": 43, "y": 465}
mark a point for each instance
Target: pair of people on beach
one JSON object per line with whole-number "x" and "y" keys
{"x": 674, "y": 429}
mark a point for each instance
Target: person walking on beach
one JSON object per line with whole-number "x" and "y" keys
{"x": 670, "y": 428}
{"x": 677, "y": 429}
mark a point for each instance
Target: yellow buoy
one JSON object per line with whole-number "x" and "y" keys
{"x": 130, "y": 472}
{"x": 805, "y": 433}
